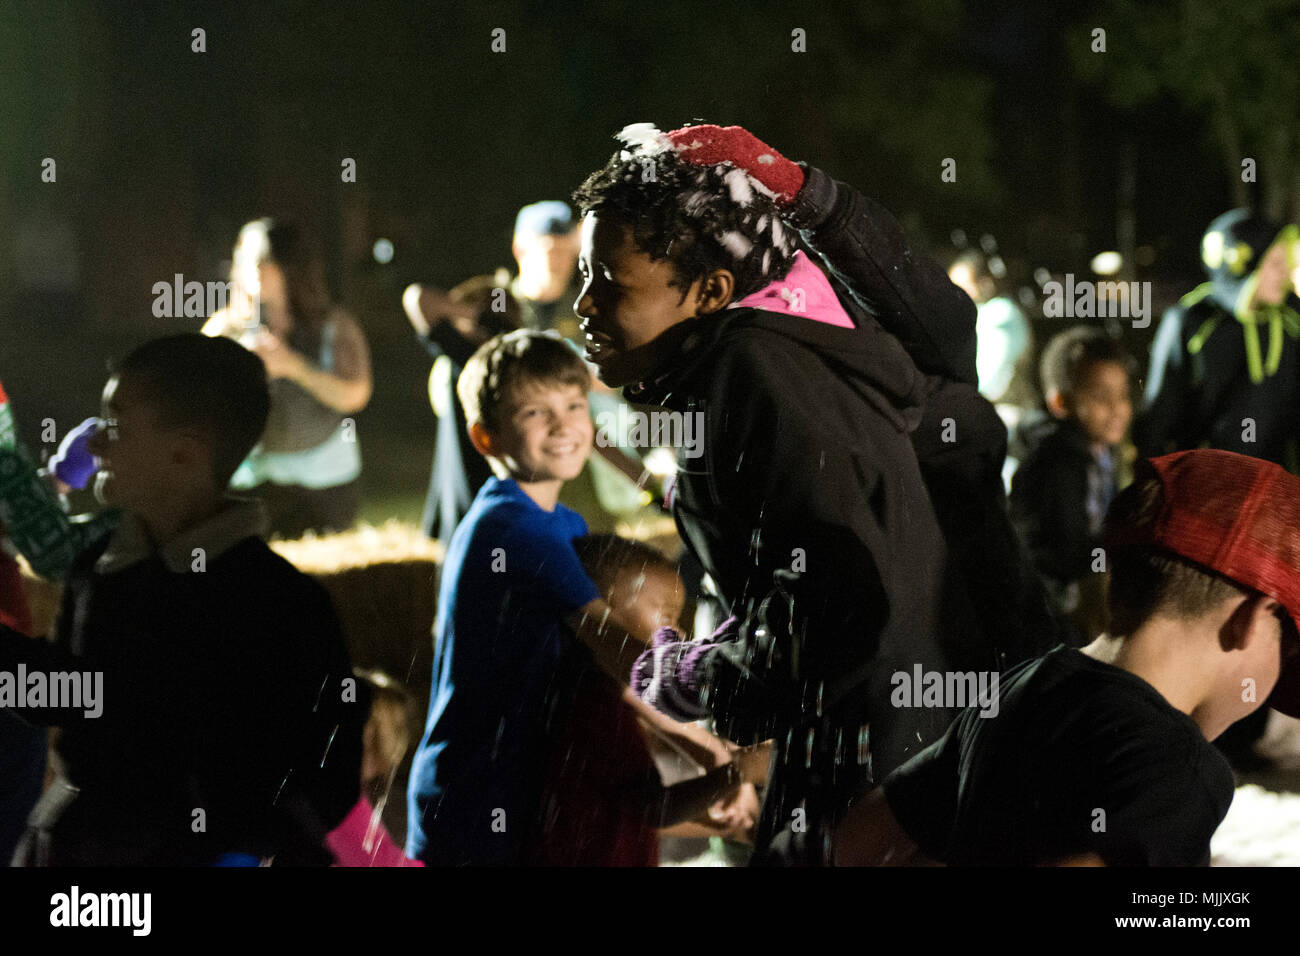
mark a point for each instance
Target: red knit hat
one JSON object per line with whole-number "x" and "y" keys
{"x": 1237, "y": 516}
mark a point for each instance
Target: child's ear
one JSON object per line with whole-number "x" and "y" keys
{"x": 716, "y": 290}
{"x": 482, "y": 440}
{"x": 193, "y": 449}
{"x": 1252, "y": 619}
{"x": 1057, "y": 404}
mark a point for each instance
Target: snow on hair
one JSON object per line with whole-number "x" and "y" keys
{"x": 643, "y": 139}
{"x": 680, "y": 199}
{"x": 732, "y": 184}
{"x": 738, "y": 185}
{"x": 735, "y": 243}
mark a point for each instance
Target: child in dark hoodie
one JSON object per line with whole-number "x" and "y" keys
{"x": 809, "y": 506}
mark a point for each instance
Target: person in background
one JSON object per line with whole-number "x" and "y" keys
{"x": 22, "y": 746}
{"x": 619, "y": 770}
{"x": 361, "y": 839}
{"x": 307, "y": 465}
{"x": 1225, "y": 364}
{"x": 451, "y": 325}
{"x": 1060, "y": 493}
{"x": 34, "y": 524}
{"x": 1005, "y": 342}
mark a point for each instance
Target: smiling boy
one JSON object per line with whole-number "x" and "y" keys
{"x": 512, "y": 590}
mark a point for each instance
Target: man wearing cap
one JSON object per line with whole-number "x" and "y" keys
{"x": 1102, "y": 756}
{"x": 451, "y": 325}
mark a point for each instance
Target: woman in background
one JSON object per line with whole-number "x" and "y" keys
{"x": 307, "y": 465}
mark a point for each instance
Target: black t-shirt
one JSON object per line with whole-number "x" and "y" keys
{"x": 1081, "y": 757}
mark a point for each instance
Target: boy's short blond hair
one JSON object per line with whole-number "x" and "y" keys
{"x": 505, "y": 362}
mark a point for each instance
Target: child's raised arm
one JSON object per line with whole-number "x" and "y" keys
{"x": 862, "y": 244}
{"x": 911, "y": 296}
{"x": 35, "y": 522}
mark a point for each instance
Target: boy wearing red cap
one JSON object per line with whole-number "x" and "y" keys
{"x": 1102, "y": 756}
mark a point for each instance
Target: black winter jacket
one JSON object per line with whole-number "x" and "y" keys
{"x": 221, "y": 693}
{"x": 812, "y": 496}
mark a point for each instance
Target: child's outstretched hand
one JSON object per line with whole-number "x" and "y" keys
{"x": 736, "y": 815}
{"x": 708, "y": 145}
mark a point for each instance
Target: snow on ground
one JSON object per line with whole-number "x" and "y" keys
{"x": 1263, "y": 824}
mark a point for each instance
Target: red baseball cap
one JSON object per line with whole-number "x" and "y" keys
{"x": 1238, "y": 516}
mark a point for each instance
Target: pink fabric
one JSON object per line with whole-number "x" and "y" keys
{"x": 804, "y": 292}
{"x": 348, "y": 841}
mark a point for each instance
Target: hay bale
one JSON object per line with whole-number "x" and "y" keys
{"x": 384, "y": 585}
{"x": 392, "y": 543}
{"x": 659, "y": 532}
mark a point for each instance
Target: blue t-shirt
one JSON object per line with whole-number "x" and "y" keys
{"x": 510, "y": 577}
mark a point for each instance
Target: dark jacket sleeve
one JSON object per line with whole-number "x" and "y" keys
{"x": 1166, "y": 422}
{"x": 1049, "y": 509}
{"x": 910, "y": 295}
{"x": 912, "y": 298}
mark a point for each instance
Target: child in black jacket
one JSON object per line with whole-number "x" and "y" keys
{"x": 808, "y": 505}
{"x": 200, "y": 676}
{"x": 1060, "y": 493}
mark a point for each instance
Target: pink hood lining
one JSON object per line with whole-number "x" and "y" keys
{"x": 804, "y": 292}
